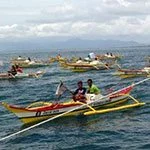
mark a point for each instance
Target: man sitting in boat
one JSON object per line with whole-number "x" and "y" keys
{"x": 79, "y": 94}
{"x": 95, "y": 62}
{"x": 109, "y": 55}
{"x": 93, "y": 89}
{"x": 12, "y": 71}
{"x": 93, "y": 92}
{"x": 58, "y": 57}
{"x": 19, "y": 58}
{"x": 79, "y": 60}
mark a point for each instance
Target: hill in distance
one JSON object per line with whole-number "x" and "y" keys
{"x": 48, "y": 44}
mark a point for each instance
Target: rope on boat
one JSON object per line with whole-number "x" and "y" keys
{"x": 57, "y": 116}
{"x": 141, "y": 81}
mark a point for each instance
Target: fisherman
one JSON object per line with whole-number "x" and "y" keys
{"x": 112, "y": 56}
{"x": 93, "y": 89}
{"x": 12, "y": 71}
{"x": 29, "y": 58}
{"x": 79, "y": 60}
{"x": 58, "y": 57}
{"x": 79, "y": 94}
{"x": 95, "y": 62}
{"x": 107, "y": 54}
{"x": 19, "y": 58}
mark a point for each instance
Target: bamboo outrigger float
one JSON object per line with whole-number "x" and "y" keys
{"x": 135, "y": 104}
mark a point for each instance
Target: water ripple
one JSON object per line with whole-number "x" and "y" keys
{"x": 127, "y": 129}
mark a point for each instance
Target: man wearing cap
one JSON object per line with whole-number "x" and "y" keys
{"x": 79, "y": 94}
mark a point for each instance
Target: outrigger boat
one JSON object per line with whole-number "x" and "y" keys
{"x": 109, "y": 56}
{"x": 128, "y": 73}
{"x": 32, "y": 64}
{"x": 21, "y": 75}
{"x": 28, "y": 63}
{"x": 40, "y": 111}
{"x": 84, "y": 66}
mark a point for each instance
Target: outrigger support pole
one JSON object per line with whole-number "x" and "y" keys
{"x": 136, "y": 104}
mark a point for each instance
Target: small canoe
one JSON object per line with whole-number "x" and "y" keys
{"x": 31, "y": 65}
{"x": 25, "y": 63}
{"x": 129, "y": 73}
{"x": 21, "y": 75}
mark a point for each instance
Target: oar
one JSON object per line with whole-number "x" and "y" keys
{"x": 96, "y": 67}
{"x": 99, "y": 68}
{"x": 117, "y": 64}
{"x": 106, "y": 66}
{"x": 60, "y": 115}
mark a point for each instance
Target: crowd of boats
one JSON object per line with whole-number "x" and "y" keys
{"x": 100, "y": 62}
{"x": 97, "y": 103}
{"x": 76, "y": 64}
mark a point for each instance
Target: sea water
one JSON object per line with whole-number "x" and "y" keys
{"x": 128, "y": 129}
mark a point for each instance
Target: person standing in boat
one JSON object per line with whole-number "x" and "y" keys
{"x": 79, "y": 94}
{"x": 92, "y": 89}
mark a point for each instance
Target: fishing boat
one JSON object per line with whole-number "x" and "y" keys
{"x": 39, "y": 111}
{"x": 28, "y": 63}
{"x": 21, "y": 75}
{"x": 129, "y": 73}
{"x": 19, "y": 58}
{"x": 32, "y": 64}
{"x": 109, "y": 56}
{"x": 84, "y": 66}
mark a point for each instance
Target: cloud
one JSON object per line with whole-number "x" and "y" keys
{"x": 86, "y": 19}
{"x": 122, "y": 26}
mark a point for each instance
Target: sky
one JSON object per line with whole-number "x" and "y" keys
{"x": 85, "y": 19}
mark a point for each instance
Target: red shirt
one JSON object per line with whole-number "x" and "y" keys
{"x": 19, "y": 70}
